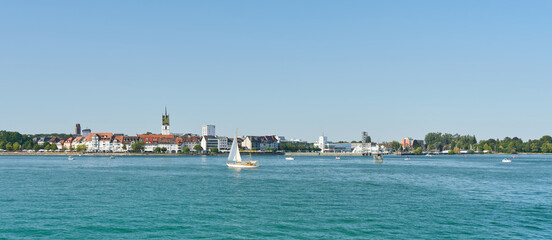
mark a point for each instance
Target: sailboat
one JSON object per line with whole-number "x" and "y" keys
{"x": 234, "y": 158}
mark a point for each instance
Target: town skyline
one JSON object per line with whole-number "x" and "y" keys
{"x": 469, "y": 67}
{"x": 199, "y": 133}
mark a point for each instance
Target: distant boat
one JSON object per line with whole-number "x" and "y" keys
{"x": 407, "y": 158}
{"x": 234, "y": 158}
{"x": 111, "y": 157}
{"x": 70, "y": 158}
{"x": 506, "y": 160}
{"x": 337, "y": 157}
{"x": 429, "y": 155}
{"x": 290, "y": 158}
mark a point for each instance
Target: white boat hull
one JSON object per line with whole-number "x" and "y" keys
{"x": 290, "y": 158}
{"x": 241, "y": 165}
{"x": 506, "y": 160}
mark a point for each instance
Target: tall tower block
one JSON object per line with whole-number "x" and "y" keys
{"x": 165, "y": 121}
{"x": 77, "y": 129}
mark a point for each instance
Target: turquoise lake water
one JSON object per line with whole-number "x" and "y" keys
{"x": 474, "y": 197}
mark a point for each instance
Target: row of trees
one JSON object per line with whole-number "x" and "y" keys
{"x": 438, "y": 141}
{"x": 297, "y": 147}
{"x": 14, "y": 141}
{"x": 455, "y": 142}
{"x": 515, "y": 145}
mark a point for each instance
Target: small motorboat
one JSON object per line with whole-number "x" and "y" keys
{"x": 70, "y": 158}
{"x": 407, "y": 158}
{"x": 111, "y": 157}
{"x": 290, "y": 158}
{"x": 506, "y": 160}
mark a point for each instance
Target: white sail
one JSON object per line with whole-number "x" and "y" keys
{"x": 237, "y": 158}
{"x": 234, "y": 151}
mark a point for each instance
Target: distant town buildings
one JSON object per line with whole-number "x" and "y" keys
{"x": 260, "y": 142}
{"x": 208, "y": 141}
{"x": 208, "y": 130}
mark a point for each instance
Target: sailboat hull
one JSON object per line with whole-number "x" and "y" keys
{"x": 241, "y": 165}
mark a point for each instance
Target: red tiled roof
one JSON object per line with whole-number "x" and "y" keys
{"x": 157, "y": 139}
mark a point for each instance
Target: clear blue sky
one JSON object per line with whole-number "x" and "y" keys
{"x": 294, "y": 68}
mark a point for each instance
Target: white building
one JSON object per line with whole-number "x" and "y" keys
{"x": 162, "y": 141}
{"x": 322, "y": 142}
{"x": 327, "y": 146}
{"x": 260, "y": 142}
{"x": 208, "y": 142}
{"x": 224, "y": 144}
{"x": 208, "y": 130}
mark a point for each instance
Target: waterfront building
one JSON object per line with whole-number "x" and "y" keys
{"x": 322, "y": 141}
{"x": 208, "y": 130}
{"x": 129, "y": 140}
{"x": 208, "y": 142}
{"x": 162, "y": 141}
{"x": 77, "y": 141}
{"x": 260, "y": 142}
{"x": 59, "y": 144}
{"x": 165, "y": 124}
{"x": 224, "y": 144}
{"x": 406, "y": 142}
{"x": 189, "y": 141}
{"x": 327, "y": 146}
{"x": 55, "y": 140}
{"x": 99, "y": 142}
{"x": 67, "y": 143}
{"x": 42, "y": 140}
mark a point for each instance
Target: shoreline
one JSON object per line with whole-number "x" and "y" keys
{"x": 226, "y": 154}
{"x": 126, "y": 154}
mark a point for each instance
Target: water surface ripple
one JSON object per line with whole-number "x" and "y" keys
{"x": 475, "y": 197}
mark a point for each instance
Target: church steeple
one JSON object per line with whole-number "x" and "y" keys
{"x": 165, "y": 123}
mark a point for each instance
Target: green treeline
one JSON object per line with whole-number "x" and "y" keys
{"x": 295, "y": 147}
{"x": 438, "y": 141}
{"x": 13, "y": 141}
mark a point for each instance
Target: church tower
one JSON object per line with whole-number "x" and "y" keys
{"x": 165, "y": 128}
